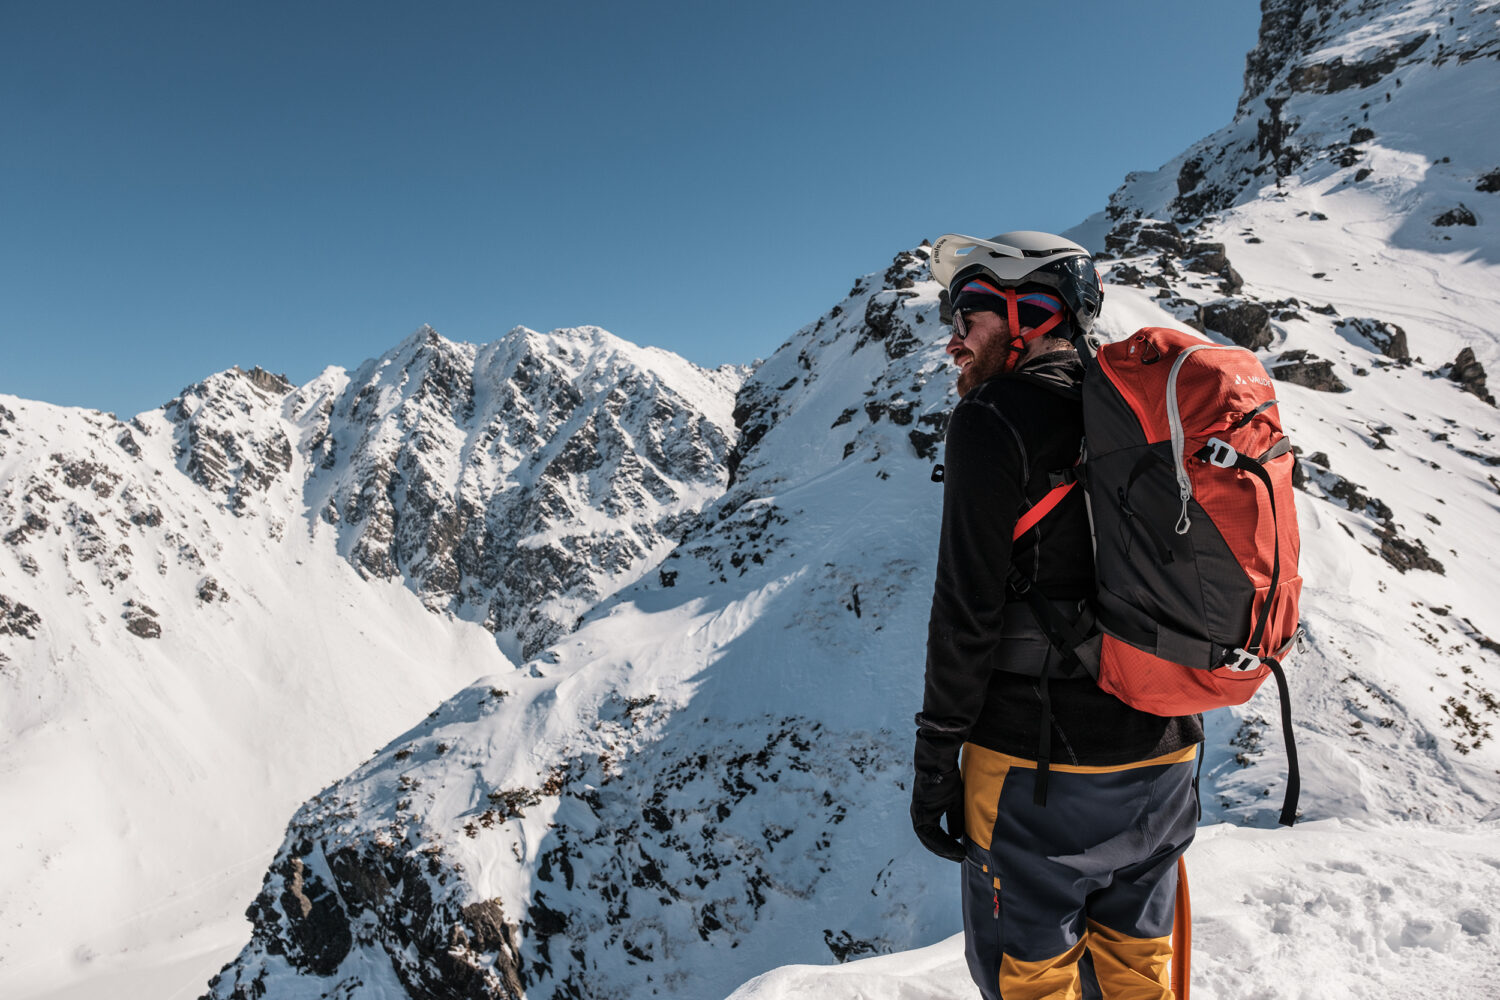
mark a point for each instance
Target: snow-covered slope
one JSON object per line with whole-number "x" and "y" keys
{"x": 210, "y": 611}
{"x": 707, "y": 779}
{"x": 712, "y": 760}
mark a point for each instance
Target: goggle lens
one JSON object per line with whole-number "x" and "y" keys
{"x": 960, "y": 328}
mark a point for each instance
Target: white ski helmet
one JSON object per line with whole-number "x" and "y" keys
{"x": 1020, "y": 258}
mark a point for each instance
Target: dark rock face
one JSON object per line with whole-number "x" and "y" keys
{"x": 664, "y": 827}
{"x": 1248, "y": 324}
{"x": 17, "y": 619}
{"x": 141, "y": 620}
{"x": 1490, "y": 182}
{"x": 317, "y": 937}
{"x": 472, "y": 473}
{"x": 1336, "y": 75}
{"x": 1315, "y": 470}
{"x": 229, "y": 435}
{"x": 1458, "y": 216}
{"x": 1469, "y": 374}
{"x": 883, "y": 320}
{"x": 315, "y": 907}
{"x": 1406, "y": 554}
{"x": 1387, "y": 338}
{"x": 1307, "y": 370}
{"x": 1171, "y": 246}
{"x": 1283, "y": 34}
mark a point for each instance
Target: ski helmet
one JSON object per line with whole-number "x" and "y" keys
{"x": 1020, "y": 258}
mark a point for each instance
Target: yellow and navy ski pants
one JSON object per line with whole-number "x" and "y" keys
{"x": 1088, "y": 878}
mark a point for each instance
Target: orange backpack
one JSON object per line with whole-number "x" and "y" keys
{"x": 1188, "y": 475}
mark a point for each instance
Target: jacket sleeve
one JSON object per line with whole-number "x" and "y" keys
{"x": 983, "y": 488}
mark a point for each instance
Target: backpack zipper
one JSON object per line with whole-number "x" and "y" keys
{"x": 1179, "y": 435}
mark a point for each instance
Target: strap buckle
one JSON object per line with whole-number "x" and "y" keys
{"x": 1243, "y": 660}
{"x": 1220, "y": 453}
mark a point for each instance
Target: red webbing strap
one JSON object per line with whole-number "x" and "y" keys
{"x": 1018, "y": 341}
{"x": 1043, "y": 507}
{"x": 1012, "y": 317}
{"x": 1182, "y": 935}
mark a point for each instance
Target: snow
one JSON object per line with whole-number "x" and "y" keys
{"x": 147, "y": 781}
{"x": 1334, "y": 910}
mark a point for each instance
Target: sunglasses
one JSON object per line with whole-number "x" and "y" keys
{"x": 960, "y": 322}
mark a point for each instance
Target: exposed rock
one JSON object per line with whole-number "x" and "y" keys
{"x": 472, "y": 471}
{"x": 884, "y": 325}
{"x": 141, "y": 620}
{"x": 926, "y": 437}
{"x": 1460, "y": 216}
{"x": 908, "y": 266}
{"x": 230, "y": 432}
{"x": 1140, "y": 236}
{"x": 668, "y": 829}
{"x": 317, "y": 936}
{"x": 1490, "y": 182}
{"x": 1272, "y": 141}
{"x": 1307, "y": 370}
{"x": 1406, "y": 553}
{"x": 1387, "y": 338}
{"x": 17, "y": 619}
{"x": 1314, "y": 470}
{"x": 209, "y": 591}
{"x": 1336, "y": 75}
{"x": 1469, "y": 374}
{"x": 1246, "y": 323}
{"x": 275, "y": 385}
{"x": 1283, "y": 35}
{"x": 883, "y": 319}
{"x": 1210, "y": 258}
{"x": 1190, "y": 175}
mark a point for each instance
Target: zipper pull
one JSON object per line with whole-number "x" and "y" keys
{"x": 997, "y": 904}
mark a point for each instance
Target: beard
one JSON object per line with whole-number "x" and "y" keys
{"x": 986, "y": 365}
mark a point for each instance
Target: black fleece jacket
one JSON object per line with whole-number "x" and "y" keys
{"x": 1004, "y": 439}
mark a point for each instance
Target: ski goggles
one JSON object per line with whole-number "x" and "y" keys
{"x": 982, "y": 296}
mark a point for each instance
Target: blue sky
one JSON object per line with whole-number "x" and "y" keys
{"x": 186, "y": 186}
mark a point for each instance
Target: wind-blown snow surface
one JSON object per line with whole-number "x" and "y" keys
{"x": 707, "y": 779}
{"x": 208, "y": 612}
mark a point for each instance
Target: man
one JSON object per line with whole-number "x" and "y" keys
{"x": 1077, "y": 855}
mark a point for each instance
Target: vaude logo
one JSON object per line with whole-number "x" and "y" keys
{"x": 1256, "y": 379}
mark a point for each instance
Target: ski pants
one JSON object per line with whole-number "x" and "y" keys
{"x": 1090, "y": 877}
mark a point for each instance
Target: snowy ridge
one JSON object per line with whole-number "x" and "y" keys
{"x": 192, "y": 640}
{"x": 517, "y": 483}
{"x": 696, "y": 761}
{"x": 639, "y": 811}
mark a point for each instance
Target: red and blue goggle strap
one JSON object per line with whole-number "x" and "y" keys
{"x": 1012, "y": 317}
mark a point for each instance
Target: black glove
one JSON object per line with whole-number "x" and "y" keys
{"x": 933, "y": 797}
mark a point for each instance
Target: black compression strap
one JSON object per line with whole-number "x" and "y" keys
{"x": 1262, "y": 408}
{"x": 1043, "y": 742}
{"x": 1293, "y": 773}
{"x": 1257, "y": 470}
